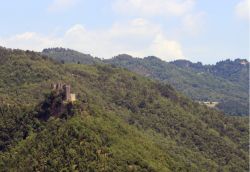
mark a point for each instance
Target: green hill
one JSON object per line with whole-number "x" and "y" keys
{"x": 209, "y": 83}
{"x": 70, "y": 56}
{"x": 225, "y": 83}
{"x": 236, "y": 71}
{"x": 120, "y": 122}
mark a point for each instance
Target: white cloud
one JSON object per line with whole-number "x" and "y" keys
{"x": 138, "y": 37}
{"x": 184, "y": 12}
{"x": 193, "y": 23}
{"x": 30, "y": 40}
{"x": 242, "y": 9}
{"x": 60, "y": 5}
{"x": 164, "y": 8}
{"x": 166, "y": 48}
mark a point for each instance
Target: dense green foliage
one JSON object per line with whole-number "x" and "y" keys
{"x": 236, "y": 71}
{"x": 70, "y": 56}
{"x": 120, "y": 122}
{"x": 226, "y": 82}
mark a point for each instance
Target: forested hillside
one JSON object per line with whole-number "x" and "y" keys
{"x": 70, "y": 56}
{"x": 120, "y": 122}
{"x": 236, "y": 71}
{"x": 225, "y": 83}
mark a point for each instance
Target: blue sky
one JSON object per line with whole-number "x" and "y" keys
{"x": 197, "y": 30}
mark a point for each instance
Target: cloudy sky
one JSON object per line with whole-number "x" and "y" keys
{"x": 197, "y": 30}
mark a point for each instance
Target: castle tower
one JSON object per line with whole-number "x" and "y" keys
{"x": 67, "y": 92}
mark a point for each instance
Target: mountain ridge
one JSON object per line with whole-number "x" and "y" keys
{"x": 219, "y": 83}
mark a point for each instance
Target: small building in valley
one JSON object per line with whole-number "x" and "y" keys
{"x": 209, "y": 104}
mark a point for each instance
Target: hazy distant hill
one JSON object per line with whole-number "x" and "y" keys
{"x": 226, "y": 82}
{"x": 236, "y": 71}
{"x": 121, "y": 121}
{"x": 70, "y": 56}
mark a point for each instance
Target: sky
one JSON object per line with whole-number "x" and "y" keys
{"x": 198, "y": 30}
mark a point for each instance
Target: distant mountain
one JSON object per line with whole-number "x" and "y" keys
{"x": 236, "y": 71}
{"x": 70, "y": 56}
{"x": 120, "y": 121}
{"x": 225, "y": 83}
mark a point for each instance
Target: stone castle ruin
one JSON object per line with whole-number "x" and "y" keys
{"x": 66, "y": 90}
